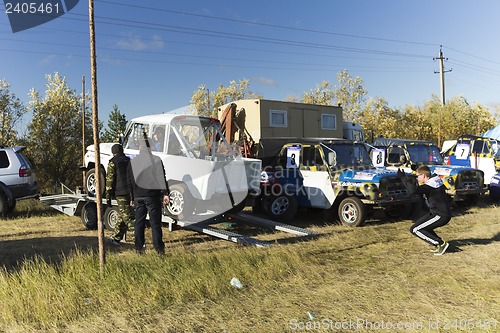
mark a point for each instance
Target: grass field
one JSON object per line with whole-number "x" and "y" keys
{"x": 377, "y": 278}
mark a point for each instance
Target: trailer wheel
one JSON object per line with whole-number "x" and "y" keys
{"x": 90, "y": 182}
{"x": 181, "y": 203}
{"x": 111, "y": 218}
{"x": 89, "y": 215}
{"x": 280, "y": 207}
{"x": 352, "y": 212}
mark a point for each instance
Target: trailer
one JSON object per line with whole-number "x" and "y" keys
{"x": 85, "y": 206}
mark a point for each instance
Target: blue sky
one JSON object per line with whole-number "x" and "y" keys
{"x": 152, "y": 55}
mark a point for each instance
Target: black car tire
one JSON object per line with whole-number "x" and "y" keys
{"x": 111, "y": 218}
{"x": 182, "y": 203}
{"x": 281, "y": 207}
{"x": 90, "y": 182}
{"x": 89, "y": 215}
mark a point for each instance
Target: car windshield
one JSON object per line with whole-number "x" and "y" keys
{"x": 425, "y": 154}
{"x": 497, "y": 155}
{"x": 346, "y": 154}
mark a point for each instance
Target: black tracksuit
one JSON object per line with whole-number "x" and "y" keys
{"x": 439, "y": 209}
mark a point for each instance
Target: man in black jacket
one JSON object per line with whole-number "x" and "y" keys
{"x": 117, "y": 187}
{"x": 434, "y": 192}
{"x": 148, "y": 190}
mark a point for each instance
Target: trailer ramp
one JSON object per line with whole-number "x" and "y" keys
{"x": 206, "y": 227}
{"x": 270, "y": 224}
{"x": 226, "y": 235}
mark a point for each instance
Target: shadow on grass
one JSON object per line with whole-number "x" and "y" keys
{"x": 52, "y": 250}
{"x": 455, "y": 244}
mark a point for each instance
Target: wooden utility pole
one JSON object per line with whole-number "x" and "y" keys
{"x": 83, "y": 129}
{"x": 443, "y": 101}
{"x": 208, "y": 102}
{"x": 95, "y": 127}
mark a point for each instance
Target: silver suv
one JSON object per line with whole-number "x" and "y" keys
{"x": 17, "y": 179}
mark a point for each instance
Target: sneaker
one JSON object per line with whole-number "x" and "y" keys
{"x": 441, "y": 249}
{"x": 114, "y": 241}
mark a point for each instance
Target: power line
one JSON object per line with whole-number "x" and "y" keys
{"x": 266, "y": 24}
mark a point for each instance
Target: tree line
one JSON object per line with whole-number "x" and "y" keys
{"x": 54, "y": 135}
{"x": 432, "y": 121}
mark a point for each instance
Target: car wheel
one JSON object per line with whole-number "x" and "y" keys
{"x": 280, "y": 207}
{"x": 12, "y": 205}
{"x": 90, "y": 182}
{"x": 4, "y": 205}
{"x": 89, "y": 215}
{"x": 111, "y": 218}
{"x": 181, "y": 204}
{"x": 352, "y": 212}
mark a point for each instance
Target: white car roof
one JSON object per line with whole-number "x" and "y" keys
{"x": 163, "y": 118}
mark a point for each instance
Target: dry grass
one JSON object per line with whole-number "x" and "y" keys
{"x": 361, "y": 278}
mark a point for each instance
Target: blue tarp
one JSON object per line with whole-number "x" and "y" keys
{"x": 493, "y": 133}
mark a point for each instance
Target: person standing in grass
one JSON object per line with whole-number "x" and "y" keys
{"x": 117, "y": 187}
{"x": 148, "y": 191}
{"x": 433, "y": 190}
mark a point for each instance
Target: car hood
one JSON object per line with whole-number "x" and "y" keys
{"x": 368, "y": 175}
{"x": 448, "y": 170}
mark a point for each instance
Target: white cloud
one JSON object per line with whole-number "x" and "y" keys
{"x": 135, "y": 42}
{"x": 48, "y": 59}
{"x": 265, "y": 81}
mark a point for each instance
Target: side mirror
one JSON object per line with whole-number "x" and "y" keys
{"x": 332, "y": 158}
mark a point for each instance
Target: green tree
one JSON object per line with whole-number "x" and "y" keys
{"x": 322, "y": 95}
{"x": 117, "y": 124}
{"x": 54, "y": 144}
{"x": 350, "y": 94}
{"x": 456, "y": 118}
{"x": 207, "y": 103}
{"x": 379, "y": 120}
{"x": 12, "y": 111}
{"x": 418, "y": 124}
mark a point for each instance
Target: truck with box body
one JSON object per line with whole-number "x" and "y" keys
{"x": 262, "y": 118}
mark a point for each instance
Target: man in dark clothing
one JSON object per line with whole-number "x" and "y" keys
{"x": 433, "y": 190}
{"x": 117, "y": 187}
{"x": 148, "y": 189}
